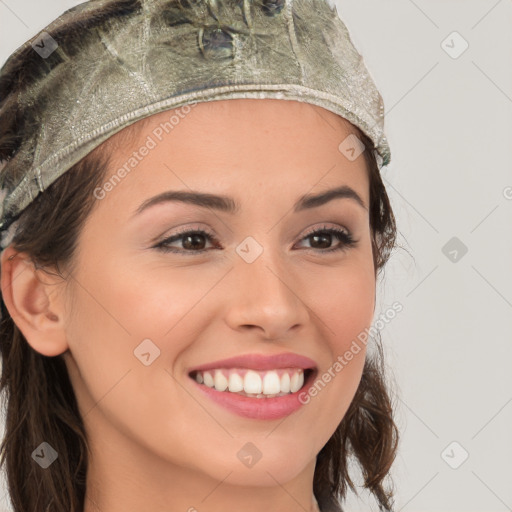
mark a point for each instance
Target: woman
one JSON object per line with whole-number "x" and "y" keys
{"x": 172, "y": 337}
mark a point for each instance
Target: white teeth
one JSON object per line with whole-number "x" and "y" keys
{"x": 221, "y": 383}
{"x": 256, "y": 384}
{"x": 236, "y": 383}
{"x": 208, "y": 379}
{"x": 296, "y": 381}
{"x": 285, "y": 383}
{"x": 271, "y": 383}
{"x": 252, "y": 382}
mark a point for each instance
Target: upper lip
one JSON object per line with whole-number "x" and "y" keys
{"x": 260, "y": 362}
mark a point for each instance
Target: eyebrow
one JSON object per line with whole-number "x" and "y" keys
{"x": 229, "y": 205}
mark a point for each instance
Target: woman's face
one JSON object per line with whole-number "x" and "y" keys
{"x": 143, "y": 313}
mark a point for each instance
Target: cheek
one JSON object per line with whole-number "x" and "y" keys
{"x": 117, "y": 321}
{"x": 344, "y": 300}
{"x": 344, "y": 304}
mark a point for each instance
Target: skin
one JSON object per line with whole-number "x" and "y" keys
{"x": 156, "y": 442}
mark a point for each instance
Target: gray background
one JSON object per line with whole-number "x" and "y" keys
{"x": 449, "y": 123}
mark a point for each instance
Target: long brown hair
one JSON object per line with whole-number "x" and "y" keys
{"x": 39, "y": 402}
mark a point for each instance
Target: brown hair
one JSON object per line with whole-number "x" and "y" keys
{"x": 368, "y": 431}
{"x": 40, "y": 405}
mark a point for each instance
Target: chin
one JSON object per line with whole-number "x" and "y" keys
{"x": 264, "y": 474}
{"x": 262, "y": 462}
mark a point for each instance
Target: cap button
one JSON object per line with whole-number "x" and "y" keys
{"x": 216, "y": 44}
{"x": 272, "y": 7}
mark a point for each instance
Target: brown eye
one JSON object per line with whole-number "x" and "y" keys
{"x": 322, "y": 239}
{"x": 192, "y": 242}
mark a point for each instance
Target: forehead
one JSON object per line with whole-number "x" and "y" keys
{"x": 232, "y": 111}
{"x": 222, "y": 144}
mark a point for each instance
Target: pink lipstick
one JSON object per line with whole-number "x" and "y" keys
{"x": 256, "y": 386}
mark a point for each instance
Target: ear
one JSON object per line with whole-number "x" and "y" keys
{"x": 35, "y": 302}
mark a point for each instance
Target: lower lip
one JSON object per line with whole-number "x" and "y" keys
{"x": 258, "y": 408}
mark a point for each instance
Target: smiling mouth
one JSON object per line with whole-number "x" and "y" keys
{"x": 254, "y": 383}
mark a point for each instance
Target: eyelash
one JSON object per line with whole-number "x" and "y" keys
{"x": 344, "y": 236}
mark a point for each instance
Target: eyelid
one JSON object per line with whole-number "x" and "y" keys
{"x": 324, "y": 226}
{"x": 181, "y": 231}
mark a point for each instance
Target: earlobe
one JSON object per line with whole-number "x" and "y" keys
{"x": 34, "y": 301}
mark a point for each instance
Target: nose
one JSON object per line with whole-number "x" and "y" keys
{"x": 263, "y": 297}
